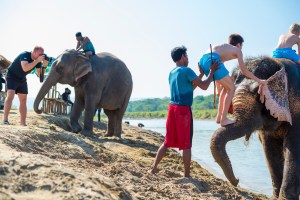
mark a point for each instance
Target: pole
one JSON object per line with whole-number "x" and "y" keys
{"x": 213, "y": 78}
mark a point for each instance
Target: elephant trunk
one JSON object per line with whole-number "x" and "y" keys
{"x": 217, "y": 147}
{"x": 244, "y": 126}
{"x": 51, "y": 80}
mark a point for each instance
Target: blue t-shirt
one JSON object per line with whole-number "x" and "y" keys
{"x": 181, "y": 86}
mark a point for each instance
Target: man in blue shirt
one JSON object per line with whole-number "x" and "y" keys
{"x": 16, "y": 80}
{"x": 179, "y": 125}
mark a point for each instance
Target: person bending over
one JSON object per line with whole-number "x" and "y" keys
{"x": 16, "y": 80}
{"x": 222, "y": 53}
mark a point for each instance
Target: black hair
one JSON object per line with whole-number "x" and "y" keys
{"x": 177, "y": 52}
{"x": 78, "y": 34}
{"x": 234, "y": 39}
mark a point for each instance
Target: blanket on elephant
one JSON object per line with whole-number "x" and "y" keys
{"x": 275, "y": 96}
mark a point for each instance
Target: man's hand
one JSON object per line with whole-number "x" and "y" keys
{"x": 200, "y": 70}
{"x": 45, "y": 63}
{"x": 263, "y": 82}
{"x": 214, "y": 66}
{"x": 40, "y": 58}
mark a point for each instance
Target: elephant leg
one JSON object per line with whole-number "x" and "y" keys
{"x": 120, "y": 114}
{"x": 88, "y": 118}
{"x": 118, "y": 123}
{"x": 111, "y": 122}
{"x": 290, "y": 188}
{"x": 274, "y": 156}
{"x": 75, "y": 114}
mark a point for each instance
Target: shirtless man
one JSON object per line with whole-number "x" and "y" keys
{"x": 286, "y": 42}
{"x": 222, "y": 53}
{"x": 85, "y": 44}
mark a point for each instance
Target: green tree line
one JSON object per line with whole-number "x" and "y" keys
{"x": 158, "y": 107}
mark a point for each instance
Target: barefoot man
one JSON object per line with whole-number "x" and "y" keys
{"x": 222, "y": 53}
{"x": 183, "y": 81}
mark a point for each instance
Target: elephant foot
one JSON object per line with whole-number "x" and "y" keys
{"x": 117, "y": 135}
{"x": 108, "y": 135}
{"x": 87, "y": 133}
{"x": 273, "y": 198}
{"x": 235, "y": 182}
{"x": 76, "y": 129}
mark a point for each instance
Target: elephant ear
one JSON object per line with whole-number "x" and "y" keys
{"x": 275, "y": 96}
{"x": 82, "y": 66}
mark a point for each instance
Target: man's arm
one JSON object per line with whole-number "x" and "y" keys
{"x": 244, "y": 70}
{"x": 77, "y": 46}
{"x": 85, "y": 40}
{"x": 28, "y": 66}
{"x": 45, "y": 64}
{"x": 200, "y": 75}
{"x": 204, "y": 84}
{"x": 298, "y": 43}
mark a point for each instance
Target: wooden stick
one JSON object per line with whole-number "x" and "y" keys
{"x": 213, "y": 78}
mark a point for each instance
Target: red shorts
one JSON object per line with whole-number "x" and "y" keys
{"x": 179, "y": 127}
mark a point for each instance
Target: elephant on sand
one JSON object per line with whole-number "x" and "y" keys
{"x": 274, "y": 111}
{"x": 102, "y": 81}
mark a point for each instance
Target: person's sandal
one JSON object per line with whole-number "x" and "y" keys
{"x": 5, "y": 122}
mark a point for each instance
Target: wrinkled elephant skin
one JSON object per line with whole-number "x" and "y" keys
{"x": 101, "y": 81}
{"x": 274, "y": 111}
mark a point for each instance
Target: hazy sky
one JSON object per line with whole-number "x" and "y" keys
{"x": 142, "y": 33}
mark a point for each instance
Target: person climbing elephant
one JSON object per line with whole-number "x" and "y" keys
{"x": 274, "y": 111}
{"x": 101, "y": 81}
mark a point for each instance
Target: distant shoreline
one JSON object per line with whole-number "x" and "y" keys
{"x": 197, "y": 114}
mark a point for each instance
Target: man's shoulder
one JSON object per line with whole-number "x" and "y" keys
{"x": 25, "y": 56}
{"x": 26, "y": 53}
{"x": 225, "y": 49}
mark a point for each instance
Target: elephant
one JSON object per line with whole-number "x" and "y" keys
{"x": 101, "y": 81}
{"x": 273, "y": 111}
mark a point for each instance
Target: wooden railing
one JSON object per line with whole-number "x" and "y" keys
{"x": 53, "y": 103}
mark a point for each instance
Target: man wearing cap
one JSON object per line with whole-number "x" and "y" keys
{"x": 85, "y": 44}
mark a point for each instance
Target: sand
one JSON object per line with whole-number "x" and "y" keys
{"x": 46, "y": 161}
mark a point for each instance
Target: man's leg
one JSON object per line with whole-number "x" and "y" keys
{"x": 186, "y": 156}
{"x": 221, "y": 102}
{"x": 88, "y": 54}
{"x": 228, "y": 85}
{"x": 23, "y": 108}
{"x": 7, "y": 104}
{"x": 160, "y": 154}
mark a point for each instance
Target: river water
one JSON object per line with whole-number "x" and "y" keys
{"x": 248, "y": 162}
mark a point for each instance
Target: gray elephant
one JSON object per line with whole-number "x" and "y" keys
{"x": 275, "y": 113}
{"x": 102, "y": 81}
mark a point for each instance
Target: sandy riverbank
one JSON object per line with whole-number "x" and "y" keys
{"x": 46, "y": 161}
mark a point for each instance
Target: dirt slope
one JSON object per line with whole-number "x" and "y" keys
{"x": 46, "y": 161}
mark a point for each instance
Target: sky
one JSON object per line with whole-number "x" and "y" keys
{"x": 143, "y": 33}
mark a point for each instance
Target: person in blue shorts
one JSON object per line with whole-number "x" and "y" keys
{"x": 222, "y": 53}
{"x": 286, "y": 42}
{"x": 85, "y": 44}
